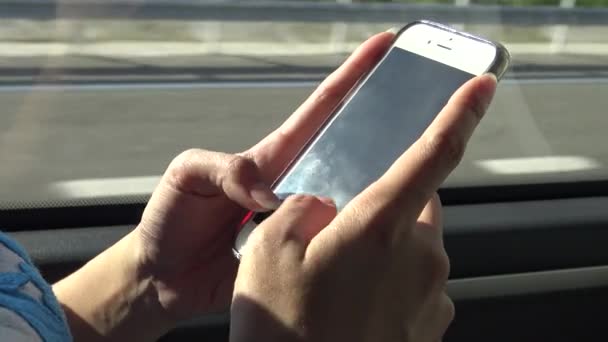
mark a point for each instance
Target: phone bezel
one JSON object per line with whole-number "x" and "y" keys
{"x": 497, "y": 66}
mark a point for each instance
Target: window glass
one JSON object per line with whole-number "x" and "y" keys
{"x": 96, "y": 100}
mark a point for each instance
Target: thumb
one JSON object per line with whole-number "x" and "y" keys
{"x": 293, "y": 225}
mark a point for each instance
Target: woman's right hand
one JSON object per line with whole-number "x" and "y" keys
{"x": 377, "y": 271}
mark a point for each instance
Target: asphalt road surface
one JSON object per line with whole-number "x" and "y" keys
{"x": 91, "y": 69}
{"x": 82, "y": 142}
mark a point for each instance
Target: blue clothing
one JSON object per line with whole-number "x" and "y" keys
{"x": 29, "y": 310}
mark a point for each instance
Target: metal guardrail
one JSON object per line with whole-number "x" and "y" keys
{"x": 296, "y": 11}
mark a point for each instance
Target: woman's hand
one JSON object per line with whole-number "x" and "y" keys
{"x": 177, "y": 263}
{"x": 377, "y": 271}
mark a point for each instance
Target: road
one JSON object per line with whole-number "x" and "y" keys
{"x": 78, "y": 68}
{"x": 78, "y": 142}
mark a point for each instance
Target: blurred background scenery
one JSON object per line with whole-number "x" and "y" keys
{"x": 97, "y": 96}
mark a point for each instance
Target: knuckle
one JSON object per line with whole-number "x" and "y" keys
{"x": 438, "y": 266}
{"x": 180, "y": 172}
{"x": 447, "y": 146}
{"x": 285, "y": 136}
{"x": 450, "y": 309}
{"x": 184, "y": 157}
{"x": 189, "y": 153}
{"x": 302, "y": 201}
{"x": 434, "y": 266}
{"x": 378, "y": 216}
{"x": 329, "y": 90}
{"x": 238, "y": 164}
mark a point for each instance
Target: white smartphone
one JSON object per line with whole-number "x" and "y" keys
{"x": 384, "y": 114}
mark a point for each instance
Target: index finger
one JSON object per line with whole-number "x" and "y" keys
{"x": 397, "y": 198}
{"x": 418, "y": 173}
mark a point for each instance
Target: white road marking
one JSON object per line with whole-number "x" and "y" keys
{"x": 536, "y": 165}
{"x": 560, "y": 80}
{"x": 144, "y": 185}
{"x": 104, "y": 187}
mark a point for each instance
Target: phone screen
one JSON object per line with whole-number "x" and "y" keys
{"x": 386, "y": 115}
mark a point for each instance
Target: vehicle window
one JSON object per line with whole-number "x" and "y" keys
{"x": 96, "y": 99}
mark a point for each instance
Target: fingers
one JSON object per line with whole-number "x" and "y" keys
{"x": 294, "y": 224}
{"x": 419, "y": 172}
{"x": 396, "y": 200}
{"x": 205, "y": 173}
{"x": 274, "y": 152}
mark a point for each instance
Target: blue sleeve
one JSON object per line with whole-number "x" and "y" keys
{"x": 25, "y": 295}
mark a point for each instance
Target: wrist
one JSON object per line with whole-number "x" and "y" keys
{"x": 113, "y": 297}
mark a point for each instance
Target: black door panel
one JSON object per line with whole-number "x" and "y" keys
{"x": 482, "y": 239}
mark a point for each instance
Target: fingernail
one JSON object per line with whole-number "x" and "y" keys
{"x": 393, "y": 30}
{"x": 487, "y": 93}
{"x": 491, "y": 75}
{"x": 327, "y": 201}
{"x": 262, "y": 194}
